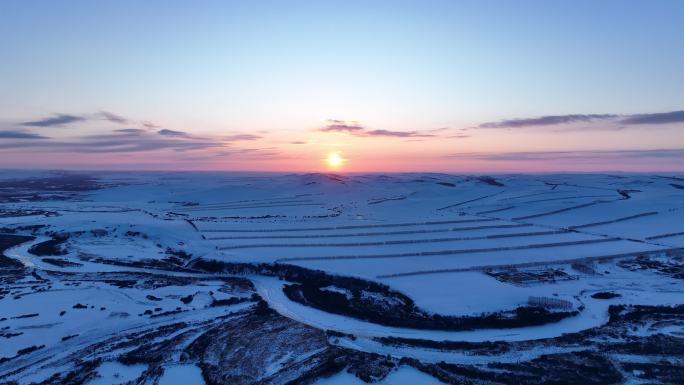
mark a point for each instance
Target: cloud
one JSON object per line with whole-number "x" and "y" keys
{"x": 167, "y": 132}
{"x": 588, "y": 155}
{"x": 121, "y": 141}
{"x": 658, "y": 118}
{"x": 125, "y": 140}
{"x": 229, "y": 138}
{"x": 547, "y": 120}
{"x": 55, "y": 120}
{"x": 241, "y": 137}
{"x": 131, "y": 130}
{"x": 63, "y": 119}
{"x": 9, "y": 134}
{"x": 554, "y": 120}
{"x": 113, "y": 117}
{"x": 342, "y": 126}
{"x": 354, "y": 128}
{"x": 149, "y": 125}
{"x": 298, "y": 142}
{"x": 397, "y": 134}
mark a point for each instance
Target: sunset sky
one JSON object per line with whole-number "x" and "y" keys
{"x": 444, "y": 86}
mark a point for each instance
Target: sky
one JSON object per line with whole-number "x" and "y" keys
{"x": 385, "y": 86}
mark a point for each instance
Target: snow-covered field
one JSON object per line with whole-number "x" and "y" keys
{"x": 125, "y": 246}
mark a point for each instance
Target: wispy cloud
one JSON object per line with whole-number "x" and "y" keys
{"x": 354, "y": 128}
{"x": 114, "y": 118}
{"x": 241, "y": 137}
{"x": 660, "y": 118}
{"x": 549, "y": 120}
{"x": 397, "y": 134}
{"x": 131, "y": 130}
{"x": 121, "y": 141}
{"x": 147, "y": 137}
{"x": 167, "y": 132}
{"x": 55, "y": 120}
{"x": 20, "y": 134}
{"x": 61, "y": 119}
{"x": 342, "y": 126}
{"x": 588, "y": 155}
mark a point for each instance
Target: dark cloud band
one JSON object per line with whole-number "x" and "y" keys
{"x": 554, "y": 120}
{"x": 20, "y": 135}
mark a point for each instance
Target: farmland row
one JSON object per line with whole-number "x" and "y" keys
{"x": 562, "y": 210}
{"x": 622, "y": 219}
{"x": 350, "y": 227}
{"x": 373, "y": 234}
{"x": 195, "y": 209}
{"x": 590, "y": 259}
{"x": 451, "y": 252}
{"x": 394, "y": 242}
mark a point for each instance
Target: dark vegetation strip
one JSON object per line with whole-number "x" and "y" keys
{"x": 372, "y": 301}
{"x": 563, "y": 198}
{"x": 307, "y": 236}
{"x": 61, "y": 262}
{"x": 246, "y": 201}
{"x": 194, "y": 226}
{"x": 50, "y": 247}
{"x": 411, "y": 317}
{"x": 490, "y": 347}
{"x": 670, "y": 177}
{"x": 452, "y": 252}
{"x": 533, "y": 195}
{"x": 383, "y": 200}
{"x": 252, "y": 207}
{"x": 246, "y": 204}
{"x": 614, "y": 220}
{"x": 600, "y": 258}
{"x": 465, "y": 202}
{"x": 669, "y": 235}
{"x": 407, "y": 224}
{"x": 580, "y": 186}
{"x": 8, "y": 241}
{"x": 494, "y": 210}
{"x": 619, "y": 314}
{"x": 395, "y": 242}
{"x": 561, "y": 210}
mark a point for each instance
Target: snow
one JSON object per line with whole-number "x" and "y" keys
{"x": 114, "y": 373}
{"x": 182, "y": 375}
{"x": 461, "y": 293}
{"x": 405, "y": 375}
{"x": 313, "y": 217}
{"x": 107, "y": 309}
{"x": 378, "y": 226}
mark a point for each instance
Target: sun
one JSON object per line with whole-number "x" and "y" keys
{"x": 334, "y": 160}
